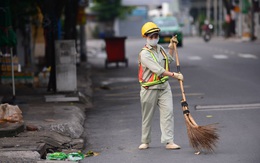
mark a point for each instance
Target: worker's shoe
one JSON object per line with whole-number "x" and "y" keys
{"x": 144, "y": 146}
{"x": 172, "y": 146}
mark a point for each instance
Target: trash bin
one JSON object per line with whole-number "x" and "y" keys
{"x": 115, "y": 49}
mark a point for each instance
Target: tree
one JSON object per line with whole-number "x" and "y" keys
{"x": 51, "y": 10}
{"x": 108, "y": 10}
{"x": 24, "y": 14}
{"x": 70, "y": 12}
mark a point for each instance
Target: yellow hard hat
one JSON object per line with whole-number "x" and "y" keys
{"x": 149, "y": 27}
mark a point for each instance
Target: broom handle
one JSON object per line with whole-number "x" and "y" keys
{"x": 179, "y": 70}
{"x": 188, "y": 118}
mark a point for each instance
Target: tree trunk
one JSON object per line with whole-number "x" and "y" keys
{"x": 71, "y": 10}
{"x": 51, "y": 10}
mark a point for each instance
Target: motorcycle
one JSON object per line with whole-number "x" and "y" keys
{"x": 207, "y": 30}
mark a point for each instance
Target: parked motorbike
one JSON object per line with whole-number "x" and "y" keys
{"x": 207, "y": 31}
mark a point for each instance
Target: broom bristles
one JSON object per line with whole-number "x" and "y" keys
{"x": 202, "y": 137}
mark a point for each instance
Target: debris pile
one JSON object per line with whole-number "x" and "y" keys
{"x": 10, "y": 113}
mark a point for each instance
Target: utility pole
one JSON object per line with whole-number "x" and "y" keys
{"x": 208, "y": 9}
{"x": 252, "y": 36}
{"x": 82, "y": 22}
{"x": 216, "y": 32}
{"x": 220, "y": 18}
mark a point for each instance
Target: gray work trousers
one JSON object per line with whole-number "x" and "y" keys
{"x": 150, "y": 101}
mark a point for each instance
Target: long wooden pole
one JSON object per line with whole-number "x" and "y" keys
{"x": 185, "y": 107}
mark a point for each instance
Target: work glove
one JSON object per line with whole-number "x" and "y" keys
{"x": 172, "y": 41}
{"x": 178, "y": 76}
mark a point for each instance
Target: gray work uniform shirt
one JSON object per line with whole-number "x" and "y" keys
{"x": 150, "y": 66}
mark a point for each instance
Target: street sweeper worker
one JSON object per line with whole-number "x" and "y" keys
{"x": 155, "y": 90}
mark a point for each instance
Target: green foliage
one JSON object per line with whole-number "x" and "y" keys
{"x": 245, "y": 6}
{"x": 109, "y": 10}
{"x": 22, "y": 11}
{"x": 201, "y": 19}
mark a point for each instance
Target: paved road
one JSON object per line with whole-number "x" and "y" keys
{"x": 221, "y": 85}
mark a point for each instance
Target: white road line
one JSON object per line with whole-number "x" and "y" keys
{"x": 227, "y": 107}
{"x": 194, "y": 58}
{"x": 189, "y": 94}
{"x": 251, "y": 56}
{"x": 220, "y": 56}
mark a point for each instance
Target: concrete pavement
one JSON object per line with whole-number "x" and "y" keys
{"x": 59, "y": 124}
{"x": 48, "y": 126}
{"x": 113, "y": 126}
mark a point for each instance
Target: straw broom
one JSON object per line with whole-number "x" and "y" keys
{"x": 200, "y": 137}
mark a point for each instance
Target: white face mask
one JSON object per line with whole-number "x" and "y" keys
{"x": 152, "y": 42}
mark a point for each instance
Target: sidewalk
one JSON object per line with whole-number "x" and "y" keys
{"x": 56, "y": 126}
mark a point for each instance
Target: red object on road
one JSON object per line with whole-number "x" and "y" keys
{"x": 115, "y": 48}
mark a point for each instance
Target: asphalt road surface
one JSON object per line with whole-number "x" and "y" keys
{"x": 221, "y": 82}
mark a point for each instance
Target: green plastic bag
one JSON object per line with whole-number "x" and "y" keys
{"x": 56, "y": 156}
{"x": 75, "y": 156}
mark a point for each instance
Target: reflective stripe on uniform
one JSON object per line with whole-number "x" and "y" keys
{"x": 154, "y": 79}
